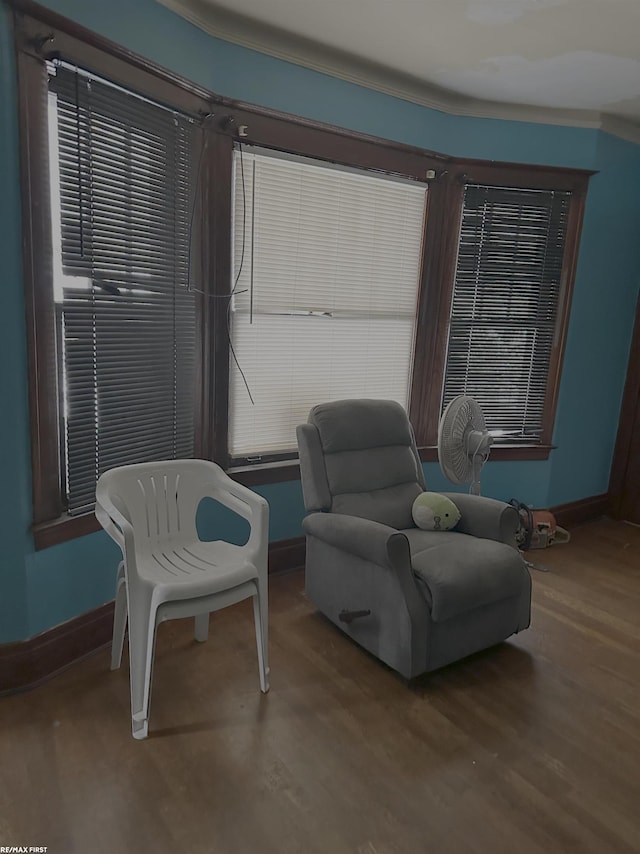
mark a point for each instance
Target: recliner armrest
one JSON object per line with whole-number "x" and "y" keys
{"x": 363, "y": 538}
{"x": 486, "y": 517}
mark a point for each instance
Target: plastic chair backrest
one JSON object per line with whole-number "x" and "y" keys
{"x": 159, "y": 500}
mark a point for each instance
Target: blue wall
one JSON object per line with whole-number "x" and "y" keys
{"x": 15, "y": 497}
{"x": 40, "y": 589}
{"x": 602, "y": 315}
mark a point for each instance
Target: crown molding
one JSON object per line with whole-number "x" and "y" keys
{"x": 273, "y": 41}
{"x": 620, "y": 127}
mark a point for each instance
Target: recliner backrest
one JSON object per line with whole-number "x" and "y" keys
{"x": 359, "y": 457}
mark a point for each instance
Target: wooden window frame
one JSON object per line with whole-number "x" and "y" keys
{"x": 41, "y": 34}
{"x": 439, "y": 284}
{"x": 269, "y": 129}
{"x": 622, "y": 468}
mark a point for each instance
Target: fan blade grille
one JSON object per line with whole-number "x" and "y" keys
{"x": 460, "y": 417}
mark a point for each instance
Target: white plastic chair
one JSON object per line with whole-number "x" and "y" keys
{"x": 167, "y": 571}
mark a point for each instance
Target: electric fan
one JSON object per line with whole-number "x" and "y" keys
{"x": 463, "y": 442}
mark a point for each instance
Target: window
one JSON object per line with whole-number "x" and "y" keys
{"x": 506, "y": 299}
{"x": 121, "y": 195}
{"x": 327, "y": 269}
{"x": 169, "y": 275}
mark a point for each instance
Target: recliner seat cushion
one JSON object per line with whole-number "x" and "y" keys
{"x": 461, "y": 573}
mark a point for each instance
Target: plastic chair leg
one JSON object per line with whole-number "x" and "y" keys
{"x": 202, "y": 627}
{"x": 119, "y": 620}
{"x": 142, "y": 631}
{"x": 260, "y": 619}
{"x": 263, "y": 591}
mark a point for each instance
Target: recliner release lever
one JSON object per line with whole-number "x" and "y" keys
{"x": 350, "y": 616}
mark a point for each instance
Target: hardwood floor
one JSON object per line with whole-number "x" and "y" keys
{"x": 533, "y": 746}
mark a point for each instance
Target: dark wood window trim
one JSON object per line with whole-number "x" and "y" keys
{"x": 42, "y": 34}
{"x": 506, "y": 453}
{"x": 622, "y": 457}
{"x": 269, "y": 129}
{"x": 37, "y": 270}
{"x": 438, "y": 283}
{"x": 438, "y": 268}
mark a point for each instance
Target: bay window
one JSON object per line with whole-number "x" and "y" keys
{"x": 200, "y": 272}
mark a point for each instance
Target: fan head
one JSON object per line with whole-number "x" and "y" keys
{"x": 463, "y": 441}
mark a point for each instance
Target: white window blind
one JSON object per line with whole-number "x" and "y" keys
{"x": 327, "y": 263}
{"x": 505, "y": 304}
{"x": 122, "y": 186}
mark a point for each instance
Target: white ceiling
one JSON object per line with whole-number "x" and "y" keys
{"x": 565, "y": 61}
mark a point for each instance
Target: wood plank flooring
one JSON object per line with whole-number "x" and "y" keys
{"x": 533, "y": 746}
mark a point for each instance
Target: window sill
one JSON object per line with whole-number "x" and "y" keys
{"x": 64, "y": 528}
{"x": 429, "y": 454}
{"x": 261, "y": 473}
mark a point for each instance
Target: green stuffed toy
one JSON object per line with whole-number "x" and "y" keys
{"x": 434, "y": 512}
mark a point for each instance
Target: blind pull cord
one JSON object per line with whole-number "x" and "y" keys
{"x": 79, "y": 150}
{"x": 253, "y": 235}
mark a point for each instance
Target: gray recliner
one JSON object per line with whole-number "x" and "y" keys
{"x": 415, "y": 599}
